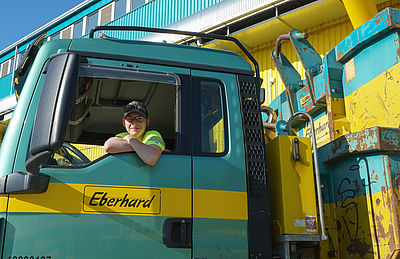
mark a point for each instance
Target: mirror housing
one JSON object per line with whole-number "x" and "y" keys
{"x": 26, "y": 62}
{"x": 55, "y": 105}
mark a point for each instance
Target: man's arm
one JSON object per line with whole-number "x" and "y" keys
{"x": 148, "y": 153}
{"x": 116, "y": 145}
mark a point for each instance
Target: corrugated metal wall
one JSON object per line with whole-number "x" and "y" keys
{"x": 322, "y": 37}
{"x": 153, "y": 15}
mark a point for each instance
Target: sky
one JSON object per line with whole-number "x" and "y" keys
{"x": 18, "y": 18}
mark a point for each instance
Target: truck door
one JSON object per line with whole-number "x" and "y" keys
{"x": 219, "y": 178}
{"x": 99, "y": 205}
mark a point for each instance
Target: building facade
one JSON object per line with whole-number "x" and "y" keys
{"x": 256, "y": 23}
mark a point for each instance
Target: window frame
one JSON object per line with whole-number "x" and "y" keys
{"x": 196, "y": 114}
{"x": 71, "y": 36}
{"x": 125, "y": 8}
{"x": 8, "y": 68}
{"x": 87, "y": 25}
{"x": 112, "y": 12}
{"x": 182, "y": 125}
{"x": 75, "y": 27}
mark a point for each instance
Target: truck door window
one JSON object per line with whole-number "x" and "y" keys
{"x": 101, "y": 96}
{"x": 210, "y": 117}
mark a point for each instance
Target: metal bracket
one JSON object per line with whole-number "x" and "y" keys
{"x": 310, "y": 60}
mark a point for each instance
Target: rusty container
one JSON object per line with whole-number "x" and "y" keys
{"x": 361, "y": 178}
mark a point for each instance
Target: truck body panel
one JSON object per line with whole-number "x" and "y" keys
{"x": 198, "y": 187}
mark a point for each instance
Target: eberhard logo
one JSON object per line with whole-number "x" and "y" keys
{"x": 321, "y": 127}
{"x": 122, "y": 200}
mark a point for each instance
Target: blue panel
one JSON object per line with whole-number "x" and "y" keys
{"x": 365, "y": 34}
{"x": 87, "y": 236}
{"x": 154, "y": 14}
{"x": 332, "y": 75}
{"x": 5, "y": 86}
{"x": 368, "y": 65}
{"x": 360, "y": 163}
{"x": 151, "y": 14}
{"x": 231, "y": 237}
{"x": 129, "y": 164}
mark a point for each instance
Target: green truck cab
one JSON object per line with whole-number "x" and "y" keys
{"x": 205, "y": 198}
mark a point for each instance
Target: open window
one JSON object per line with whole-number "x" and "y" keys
{"x": 101, "y": 95}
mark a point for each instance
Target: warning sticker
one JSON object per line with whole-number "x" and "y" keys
{"x": 305, "y": 99}
{"x": 350, "y": 70}
{"x": 311, "y": 223}
{"x": 299, "y": 223}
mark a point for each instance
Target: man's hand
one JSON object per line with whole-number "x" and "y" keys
{"x": 148, "y": 153}
{"x": 116, "y": 145}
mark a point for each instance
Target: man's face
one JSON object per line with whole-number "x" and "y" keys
{"x": 135, "y": 124}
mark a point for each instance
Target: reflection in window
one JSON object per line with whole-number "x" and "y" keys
{"x": 211, "y": 117}
{"x": 92, "y": 21}
{"x": 12, "y": 64}
{"x": 137, "y": 3}
{"x": 55, "y": 36}
{"x": 78, "y": 27}
{"x": 19, "y": 57}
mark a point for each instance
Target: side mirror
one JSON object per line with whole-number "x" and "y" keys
{"x": 49, "y": 128}
{"x": 54, "y": 109}
{"x": 26, "y": 62}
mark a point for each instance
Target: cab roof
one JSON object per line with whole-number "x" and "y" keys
{"x": 162, "y": 54}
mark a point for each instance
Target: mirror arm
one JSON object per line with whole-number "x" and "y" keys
{"x": 31, "y": 182}
{"x": 33, "y": 163}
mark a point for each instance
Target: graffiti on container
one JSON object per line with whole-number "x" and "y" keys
{"x": 350, "y": 218}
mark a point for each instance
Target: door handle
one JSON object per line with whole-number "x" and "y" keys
{"x": 177, "y": 233}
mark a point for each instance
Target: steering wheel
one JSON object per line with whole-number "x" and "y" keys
{"x": 68, "y": 149}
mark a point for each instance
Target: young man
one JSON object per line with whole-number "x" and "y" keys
{"x": 147, "y": 144}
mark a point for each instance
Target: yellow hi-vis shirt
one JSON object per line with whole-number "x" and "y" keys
{"x": 149, "y": 138}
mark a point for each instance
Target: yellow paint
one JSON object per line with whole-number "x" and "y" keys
{"x": 174, "y": 202}
{"x": 3, "y": 203}
{"x": 383, "y": 109}
{"x": 40, "y": 38}
{"x": 360, "y": 11}
{"x": 291, "y": 186}
{"x": 329, "y": 248}
{"x": 221, "y": 204}
{"x": 377, "y": 233}
{"x": 3, "y": 128}
{"x": 341, "y": 125}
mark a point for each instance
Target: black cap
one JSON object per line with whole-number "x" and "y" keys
{"x": 136, "y": 106}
